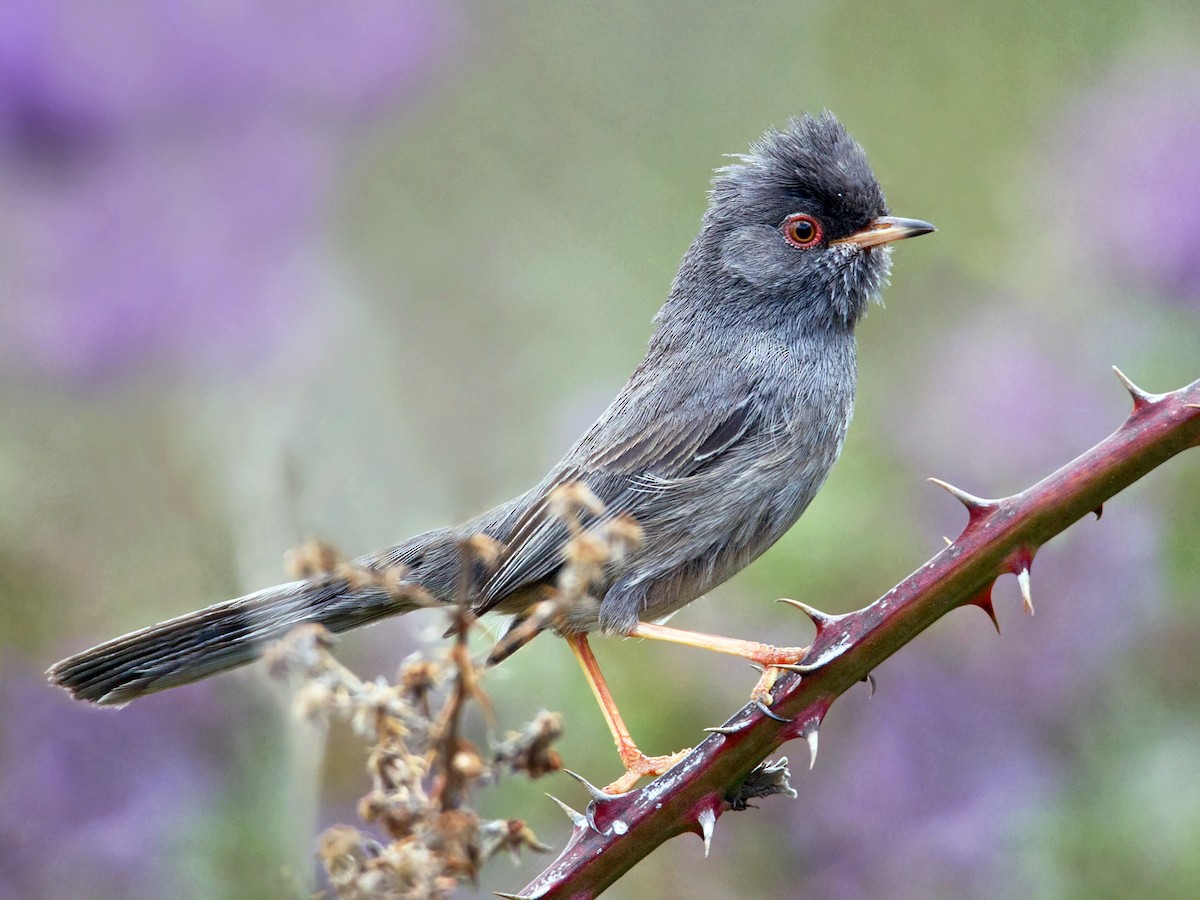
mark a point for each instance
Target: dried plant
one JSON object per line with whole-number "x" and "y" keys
{"x": 421, "y": 767}
{"x": 586, "y": 553}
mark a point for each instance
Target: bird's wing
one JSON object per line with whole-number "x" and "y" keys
{"x": 636, "y": 446}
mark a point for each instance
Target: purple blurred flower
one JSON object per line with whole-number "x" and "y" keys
{"x": 1016, "y": 412}
{"x": 1128, "y": 160}
{"x": 164, "y": 167}
{"x": 96, "y": 804}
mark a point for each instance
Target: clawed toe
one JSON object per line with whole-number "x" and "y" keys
{"x": 638, "y": 765}
{"x": 775, "y": 661}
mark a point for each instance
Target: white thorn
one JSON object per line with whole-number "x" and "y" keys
{"x": 598, "y": 795}
{"x": 811, "y": 737}
{"x": 820, "y": 619}
{"x": 970, "y": 501}
{"x": 578, "y": 819}
{"x": 708, "y": 822}
{"x": 1023, "y": 581}
{"x": 949, "y": 543}
{"x": 1140, "y": 397}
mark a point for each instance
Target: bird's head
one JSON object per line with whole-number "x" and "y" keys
{"x": 801, "y": 222}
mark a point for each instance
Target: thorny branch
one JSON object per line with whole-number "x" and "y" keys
{"x": 1001, "y": 536}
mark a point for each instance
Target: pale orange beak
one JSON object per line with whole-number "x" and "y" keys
{"x": 884, "y": 230}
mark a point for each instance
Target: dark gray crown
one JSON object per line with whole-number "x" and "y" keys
{"x": 813, "y": 165}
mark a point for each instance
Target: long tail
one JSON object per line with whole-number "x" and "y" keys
{"x": 235, "y": 632}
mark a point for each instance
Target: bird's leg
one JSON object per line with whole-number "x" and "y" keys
{"x": 771, "y": 659}
{"x": 635, "y": 761}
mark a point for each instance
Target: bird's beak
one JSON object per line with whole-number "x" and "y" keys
{"x": 884, "y": 230}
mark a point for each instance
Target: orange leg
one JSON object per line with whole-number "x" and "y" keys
{"x": 772, "y": 659}
{"x": 637, "y": 764}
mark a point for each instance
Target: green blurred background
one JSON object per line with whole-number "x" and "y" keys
{"x": 271, "y": 270}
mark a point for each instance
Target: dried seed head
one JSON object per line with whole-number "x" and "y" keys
{"x": 453, "y": 835}
{"x": 469, "y": 764}
{"x": 624, "y": 535}
{"x": 483, "y": 549}
{"x": 418, "y": 680}
{"x": 396, "y": 768}
{"x": 512, "y": 835}
{"x": 586, "y": 549}
{"x": 392, "y": 580}
{"x": 314, "y": 701}
{"x": 343, "y": 853}
{"x": 567, "y": 501}
{"x": 399, "y": 820}
{"x": 303, "y": 651}
{"x": 765, "y": 779}
{"x": 532, "y": 750}
{"x": 312, "y": 558}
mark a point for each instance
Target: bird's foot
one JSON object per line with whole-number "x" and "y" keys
{"x": 774, "y": 661}
{"x": 638, "y": 765}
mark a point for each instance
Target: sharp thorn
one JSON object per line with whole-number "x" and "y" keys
{"x": 810, "y": 735}
{"x": 1125, "y": 380}
{"x": 757, "y": 668}
{"x": 984, "y": 601}
{"x": 820, "y": 619}
{"x": 510, "y": 896}
{"x": 790, "y": 667}
{"x": 974, "y": 505}
{"x": 591, "y": 819}
{"x": 766, "y": 711}
{"x": 598, "y": 795}
{"x": 806, "y": 668}
{"x": 725, "y": 729}
{"x": 1098, "y": 511}
{"x": 949, "y": 543}
{"x": 1140, "y": 397}
{"x": 708, "y": 823}
{"x": 1023, "y": 581}
{"x": 870, "y": 680}
{"x": 578, "y": 819}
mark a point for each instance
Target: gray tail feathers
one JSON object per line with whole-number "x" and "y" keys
{"x": 216, "y": 638}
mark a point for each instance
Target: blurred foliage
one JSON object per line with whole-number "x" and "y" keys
{"x": 424, "y": 277}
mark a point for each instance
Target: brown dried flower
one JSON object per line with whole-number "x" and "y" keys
{"x": 531, "y": 751}
{"x": 420, "y": 765}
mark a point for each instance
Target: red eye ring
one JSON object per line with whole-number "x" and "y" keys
{"x": 802, "y": 231}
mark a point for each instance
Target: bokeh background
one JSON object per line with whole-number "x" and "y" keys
{"x": 272, "y": 269}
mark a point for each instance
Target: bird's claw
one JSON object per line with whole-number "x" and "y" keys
{"x": 762, "y": 689}
{"x": 638, "y": 765}
{"x": 775, "y": 663}
{"x": 766, "y": 711}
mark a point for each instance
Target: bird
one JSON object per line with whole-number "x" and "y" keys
{"x": 715, "y": 446}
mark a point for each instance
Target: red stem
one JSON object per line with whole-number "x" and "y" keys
{"x": 1001, "y": 536}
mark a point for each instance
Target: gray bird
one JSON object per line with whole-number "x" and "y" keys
{"x": 715, "y": 446}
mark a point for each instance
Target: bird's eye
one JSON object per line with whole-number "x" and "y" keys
{"x": 802, "y": 231}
